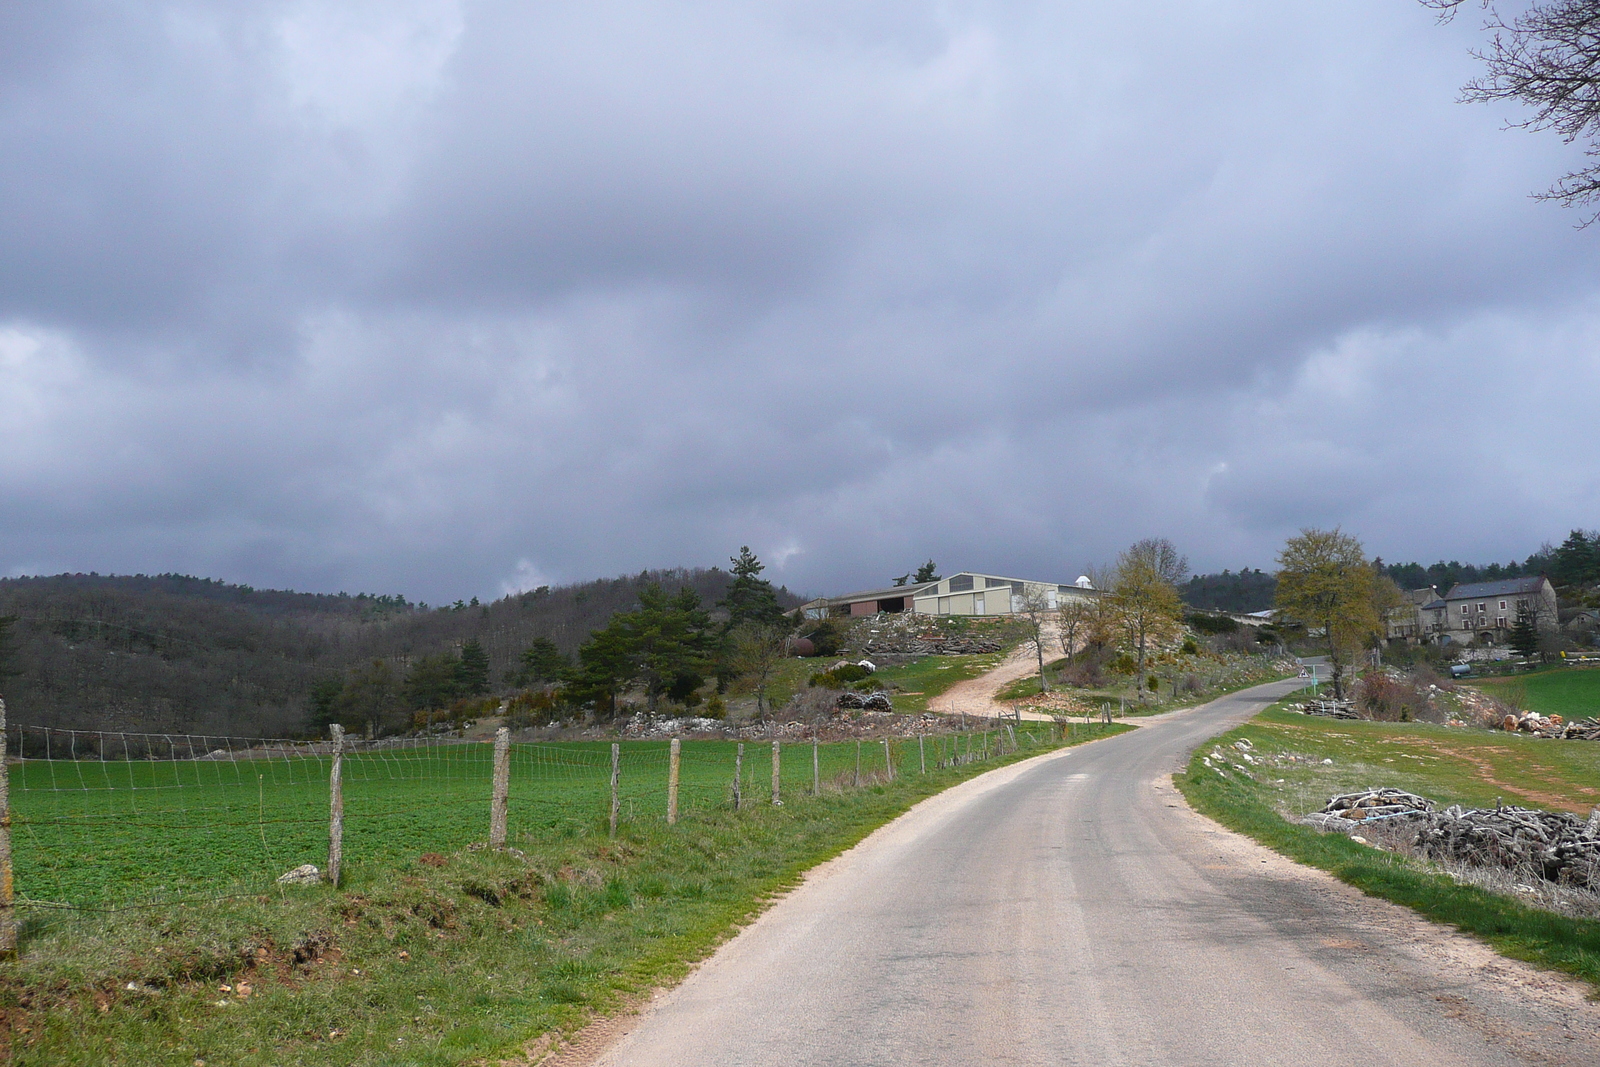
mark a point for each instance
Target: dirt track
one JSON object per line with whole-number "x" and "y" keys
{"x": 976, "y": 696}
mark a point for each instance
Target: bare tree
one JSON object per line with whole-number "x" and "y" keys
{"x": 757, "y": 649}
{"x": 1074, "y": 614}
{"x": 1547, "y": 57}
{"x": 1145, "y": 594}
{"x": 1035, "y": 614}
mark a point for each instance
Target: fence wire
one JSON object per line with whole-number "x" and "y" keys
{"x": 106, "y": 820}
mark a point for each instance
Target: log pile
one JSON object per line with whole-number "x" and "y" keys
{"x": 1560, "y": 847}
{"x": 872, "y": 702}
{"x": 929, "y": 645}
{"x": 1555, "y": 845}
{"x": 1336, "y": 709}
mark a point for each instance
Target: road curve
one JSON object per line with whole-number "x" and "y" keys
{"x": 1072, "y": 910}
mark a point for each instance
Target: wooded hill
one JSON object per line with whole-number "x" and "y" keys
{"x": 172, "y": 653}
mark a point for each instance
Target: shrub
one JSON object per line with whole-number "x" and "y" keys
{"x": 840, "y": 676}
{"x": 1210, "y": 624}
{"x": 1189, "y": 647}
{"x": 827, "y": 636}
{"x": 1122, "y": 664}
{"x": 716, "y": 707}
{"x": 534, "y": 707}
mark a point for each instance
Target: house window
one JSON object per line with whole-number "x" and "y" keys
{"x": 1502, "y": 605}
{"x": 961, "y": 583}
{"x": 1483, "y": 607}
{"x": 1465, "y": 608}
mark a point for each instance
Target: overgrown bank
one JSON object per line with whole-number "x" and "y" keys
{"x": 1296, "y": 763}
{"x": 445, "y": 958}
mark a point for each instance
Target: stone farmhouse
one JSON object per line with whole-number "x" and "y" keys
{"x": 1483, "y": 612}
{"x": 967, "y": 593}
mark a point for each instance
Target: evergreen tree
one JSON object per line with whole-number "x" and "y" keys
{"x": 1576, "y": 561}
{"x": 8, "y": 644}
{"x": 750, "y": 598}
{"x": 472, "y": 669}
{"x": 325, "y": 693}
{"x": 542, "y": 663}
{"x": 433, "y": 682}
{"x": 370, "y": 698}
{"x": 664, "y": 645}
{"x": 928, "y": 572}
{"x": 1525, "y": 634}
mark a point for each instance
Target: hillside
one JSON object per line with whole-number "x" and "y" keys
{"x": 172, "y": 653}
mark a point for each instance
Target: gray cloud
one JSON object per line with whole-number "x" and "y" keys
{"x": 448, "y": 298}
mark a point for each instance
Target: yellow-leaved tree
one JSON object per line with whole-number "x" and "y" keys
{"x": 1326, "y": 582}
{"x": 1144, "y": 595}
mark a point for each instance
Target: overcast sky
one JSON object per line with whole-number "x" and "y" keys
{"x": 451, "y": 299}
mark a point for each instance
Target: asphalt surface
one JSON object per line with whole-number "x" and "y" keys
{"x": 1072, "y": 910}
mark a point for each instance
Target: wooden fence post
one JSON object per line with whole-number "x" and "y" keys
{"x": 616, "y": 774}
{"x": 777, "y": 775}
{"x": 8, "y": 906}
{"x": 738, "y": 776}
{"x": 672, "y": 782}
{"x": 1013, "y": 734}
{"x": 816, "y": 770}
{"x": 501, "y": 792}
{"x": 336, "y": 806}
{"x": 922, "y": 754}
{"x": 888, "y": 760}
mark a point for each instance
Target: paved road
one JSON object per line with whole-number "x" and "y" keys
{"x": 1072, "y": 910}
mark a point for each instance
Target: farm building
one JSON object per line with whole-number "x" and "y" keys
{"x": 967, "y": 593}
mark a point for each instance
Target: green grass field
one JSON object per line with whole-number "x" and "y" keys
{"x": 1571, "y": 692}
{"x": 1447, "y": 764}
{"x": 93, "y": 834}
{"x": 431, "y": 955}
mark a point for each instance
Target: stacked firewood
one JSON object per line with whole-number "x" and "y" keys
{"x": 1559, "y": 846}
{"x": 930, "y": 645}
{"x": 873, "y": 702}
{"x": 1336, "y": 709}
{"x": 1553, "y": 844}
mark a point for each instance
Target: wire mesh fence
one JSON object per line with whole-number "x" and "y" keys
{"x": 110, "y": 820}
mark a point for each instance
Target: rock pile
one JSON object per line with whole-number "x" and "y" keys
{"x": 1531, "y": 722}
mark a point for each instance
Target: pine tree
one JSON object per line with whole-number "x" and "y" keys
{"x": 928, "y": 572}
{"x": 751, "y": 598}
{"x": 472, "y": 669}
{"x": 542, "y": 662}
{"x": 1524, "y": 634}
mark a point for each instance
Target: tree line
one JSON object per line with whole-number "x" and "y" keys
{"x": 171, "y": 653}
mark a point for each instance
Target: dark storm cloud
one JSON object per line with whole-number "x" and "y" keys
{"x": 452, "y": 297}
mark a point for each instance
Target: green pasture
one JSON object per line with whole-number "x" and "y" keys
{"x": 1571, "y": 692}
{"x": 464, "y": 956}
{"x": 105, "y": 834}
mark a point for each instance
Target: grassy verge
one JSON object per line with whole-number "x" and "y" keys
{"x": 439, "y": 958}
{"x": 1445, "y": 764}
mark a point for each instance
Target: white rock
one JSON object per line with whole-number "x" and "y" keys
{"x": 1327, "y": 762}
{"x": 305, "y": 874}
